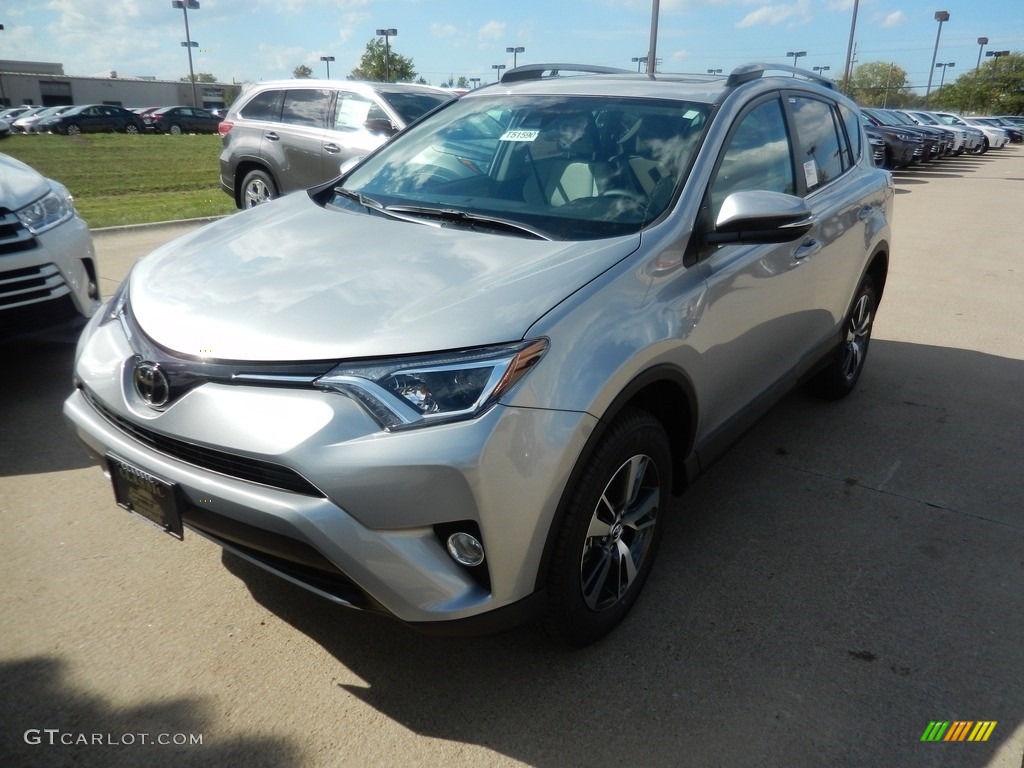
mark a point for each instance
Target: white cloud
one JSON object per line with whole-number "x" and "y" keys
{"x": 492, "y": 30}
{"x": 895, "y": 19}
{"x": 443, "y": 30}
{"x": 771, "y": 15}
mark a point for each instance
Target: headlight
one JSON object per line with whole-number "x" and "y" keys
{"x": 53, "y": 208}
{"x": 408, "y": 392}
{"x": 114, "y": 308}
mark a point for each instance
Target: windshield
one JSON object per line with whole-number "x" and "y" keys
{"x": 561, "y": 167}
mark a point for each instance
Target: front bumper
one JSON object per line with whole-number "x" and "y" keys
{"x": 361, "y": 515}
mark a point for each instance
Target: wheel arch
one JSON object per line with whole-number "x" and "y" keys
{"x": 666, "y": 393}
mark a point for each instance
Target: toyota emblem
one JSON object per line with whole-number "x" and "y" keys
{"x": 151, "y": 383}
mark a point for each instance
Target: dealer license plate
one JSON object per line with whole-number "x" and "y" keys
{"x": 146, "y": 495}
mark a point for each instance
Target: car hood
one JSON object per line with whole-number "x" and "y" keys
{"x": 290, "y": 280}
{"x": 19, "y": 184}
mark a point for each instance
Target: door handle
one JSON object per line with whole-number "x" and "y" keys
{"x": 273, "y": 136}
{"x": 807, "y": 248}
{"x": 332, "y": 148}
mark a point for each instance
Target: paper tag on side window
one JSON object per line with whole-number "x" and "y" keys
{"x": 811, "y": 173}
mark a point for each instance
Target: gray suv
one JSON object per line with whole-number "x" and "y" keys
{"x": 460, "y": 384}
{"x": 284, "y": 136}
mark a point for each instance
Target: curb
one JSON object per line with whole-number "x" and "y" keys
{"x": 128, "y": 228}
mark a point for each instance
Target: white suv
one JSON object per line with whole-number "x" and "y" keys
{"x": 48, "y": 279}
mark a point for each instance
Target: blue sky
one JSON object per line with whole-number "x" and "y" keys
{"x": 243, "y": 40}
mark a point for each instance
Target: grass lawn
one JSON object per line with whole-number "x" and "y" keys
{"x": 121, "y": 179}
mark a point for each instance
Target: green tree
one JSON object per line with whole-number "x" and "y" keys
{"x": 995, "y": 88}
{"x": 382, "y": 65}
{"x": 201, "y": 77}
{"x": 462, "y": 82}
{"x": 877, "y": 84}
{"x": 302, "y": 72}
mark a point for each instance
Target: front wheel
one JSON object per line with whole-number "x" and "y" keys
{"x": 610, "y": 533}
{"x": 257, "y": 188}
{"x": 840, "y": 376}
{"x": 73, "y": 130}
{"x": 175, "y": 130}
{"x": 132, "y": 128}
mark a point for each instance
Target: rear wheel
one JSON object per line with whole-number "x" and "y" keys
{"x": 131, "y": 128}
{"x": 840, "y": 376}
{"x": 611, "y": 530}
{"x": 175, "y": 130}
{"x": 257, "y": 188}
{"x": 73, "y": 130}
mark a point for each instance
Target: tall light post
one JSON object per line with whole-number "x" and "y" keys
{"x": 186, "y": 6}
{"x": 515, "y": 51}
{"x": 941, "y": 17}
{"x": 498, "y": 67}
{"x": 982, "y": 42}
{"x": 652, "y": 48}
{"x": 848, "y": 68}
{"x": 639, "y": 60}
{"x": 819, "y": 70}
{"x": 475, "y": 81}
{"x": 387, "y": 34}
{"x": 796, "y": 55}
{"x": 942, "y": 78}
{"x": 327, "y": 60}
{"x": 715, "y": 71}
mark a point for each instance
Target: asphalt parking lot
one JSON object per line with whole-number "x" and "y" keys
{"x": 845, "y": 575}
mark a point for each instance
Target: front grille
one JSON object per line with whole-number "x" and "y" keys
{"x": 223, "y": 463}
{"x": 14, "y": 237}
{"x": 40, "y": 282}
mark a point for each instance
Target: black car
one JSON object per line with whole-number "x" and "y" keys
{"x": 179, "y": 120}
{"x": 93, "y": 118}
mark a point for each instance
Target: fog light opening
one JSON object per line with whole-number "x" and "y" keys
{"x": 465, "y": 549}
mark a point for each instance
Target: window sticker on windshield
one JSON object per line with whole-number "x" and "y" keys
{"x": 520, "y": 136}
{"x": 811, "y": 173}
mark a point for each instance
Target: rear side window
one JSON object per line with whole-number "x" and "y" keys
{"x": 306, "y": 106}
{"x": 820, "y": 144}
{"x": 411, "y": 106}
{"x": 263, "y": 106}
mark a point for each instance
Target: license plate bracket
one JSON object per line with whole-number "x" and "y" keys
{"x": 146, "y": 495}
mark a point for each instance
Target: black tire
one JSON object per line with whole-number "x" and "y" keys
{"x": 132, "y": 128}
{"x": 257, "y": 188}
{"x": 73, "y": 129}
{"x": 175, "y": 130}
{"x": 840, "y": 376}
{"x": 610, "y": 533}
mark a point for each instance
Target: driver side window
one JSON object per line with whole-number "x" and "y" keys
{"x": 758, "y": 156}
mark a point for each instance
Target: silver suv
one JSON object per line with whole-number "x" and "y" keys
{"x": 460, "y": 384}
{"x": 288, "y": 135}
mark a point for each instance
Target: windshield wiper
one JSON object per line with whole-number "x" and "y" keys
{"x": 464, "y": 217}
{"x": 359, "y": 197}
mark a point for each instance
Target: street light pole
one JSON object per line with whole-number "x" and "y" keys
{"x": 186, "y": 6}
{"x": 715, "y": 71}
{"x": 941, "y": 17}
{"x": 819, "y": 70}
{"x": 982, "y": 42}
{"x": 848, "y": 69}
{"x": 639, "y": 60}
{"x": 942, "y": 78}
{"x": 515, "y": 51}
{"x": 498, "y": 67}
{"x": 327, "y": 60}
{"x": 387, "y": 34}
{"x": 652, "y": 50}
{"x": 796, "y": 55}
{"x": 475, "y": 81}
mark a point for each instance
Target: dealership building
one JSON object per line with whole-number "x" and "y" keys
{"x": 44, "y": 84}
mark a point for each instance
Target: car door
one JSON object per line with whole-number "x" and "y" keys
{"x": 760, "y": 317}
{"x": 300, "y": 136}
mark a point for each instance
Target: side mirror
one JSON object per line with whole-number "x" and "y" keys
{"x": 381, "y": 126}
{"x": 760, "y": 216}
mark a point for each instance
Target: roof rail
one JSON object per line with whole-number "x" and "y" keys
{"x": 539, "y": 71}
{"x": 748, "y": 72}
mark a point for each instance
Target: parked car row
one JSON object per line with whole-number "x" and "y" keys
{"x": 71, "y": 120}
{"x": 900, "y": 138}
